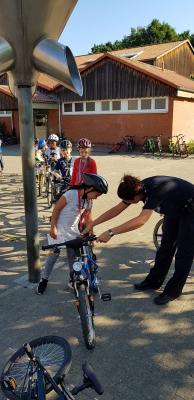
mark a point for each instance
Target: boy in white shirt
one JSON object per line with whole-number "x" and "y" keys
{"x": 66, "y": 217}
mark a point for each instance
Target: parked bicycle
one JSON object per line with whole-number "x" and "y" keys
{"x": 127, "y": 143}
{"x": 149, "y": 145}
{"x": 179, "y": 146}
{"x": 158, "y": 144}
{"x": 41, "y": 366}
{"x": 85, "y": 284}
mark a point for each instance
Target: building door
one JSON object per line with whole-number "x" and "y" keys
{"x": 40, "y": 124}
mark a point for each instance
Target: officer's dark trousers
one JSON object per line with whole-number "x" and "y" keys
{"x": 178, "y": 239}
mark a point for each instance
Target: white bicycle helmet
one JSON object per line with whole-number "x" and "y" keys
{"x": 53, "y": 138}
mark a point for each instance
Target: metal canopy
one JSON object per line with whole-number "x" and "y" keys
{"x": 29, "y": 30}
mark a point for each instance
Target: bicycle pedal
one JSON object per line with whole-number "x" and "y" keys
{"x": 106, "y": 297}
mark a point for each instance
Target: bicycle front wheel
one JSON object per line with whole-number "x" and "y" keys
{"x": 54, "y": 353}
{"x": 49, "y": 192}
{"x": 86, "y": 317}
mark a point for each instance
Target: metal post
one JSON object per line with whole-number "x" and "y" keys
{"x": 24, "y": 95}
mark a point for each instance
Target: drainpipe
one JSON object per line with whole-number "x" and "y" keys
{"x": 59, "y": 108}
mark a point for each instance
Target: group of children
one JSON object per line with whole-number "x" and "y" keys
{"x": 73, "y": 210}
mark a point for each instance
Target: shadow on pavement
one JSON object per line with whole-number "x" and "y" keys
{"x": 143, "y": 351}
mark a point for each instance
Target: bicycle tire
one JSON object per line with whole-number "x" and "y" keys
{"x": 49, "y": 194}
{"x": 40, "y": 184}
{"x": 157, "y": 233}
{"x": 86, "y": 317}
{"x": 54, "y": 353}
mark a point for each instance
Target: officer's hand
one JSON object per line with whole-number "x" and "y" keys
{"x": 104, "y": 237}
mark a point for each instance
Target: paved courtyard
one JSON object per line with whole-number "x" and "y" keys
{"x": 143, "y": 351}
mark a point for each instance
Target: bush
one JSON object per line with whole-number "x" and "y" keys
{"x": 190, "y": 146}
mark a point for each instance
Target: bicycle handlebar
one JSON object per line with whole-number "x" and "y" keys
{"x": 74, "y": 243}
{"x": 90, "y": 381}
{"x": 90, "y": 374}
{"x": 180, "y": 136}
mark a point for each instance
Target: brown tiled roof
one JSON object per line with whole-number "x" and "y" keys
{"x": 148, "y": 52}
{"x": 47, "y": 82}
{"x": 145, "y": 53}
{"x": 168, "y": 77}
{"x": 38, "y": 97}
{"x": 5, "y": 90}
{"x": 153, "y": 51}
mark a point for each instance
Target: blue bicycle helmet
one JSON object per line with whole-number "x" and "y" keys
{"x": 41, "y": 144}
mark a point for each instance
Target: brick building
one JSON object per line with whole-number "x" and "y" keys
{"x": 139, "y": 91}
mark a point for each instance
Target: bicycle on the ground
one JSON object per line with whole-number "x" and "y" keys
{"x": 149, "y": 145}
{"x": 85, "y": 284}
{"x": 127, "y": 143}
{"x": 41, "y": 366}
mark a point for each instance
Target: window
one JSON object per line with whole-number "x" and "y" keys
{"x": 116, "y": 105}
{"x": 131, "y": 55}
{"x": 90, "y": 106}
{"x": 5, "y": 113}
{"x": 68, "y": 107}
{"x": 160, "y": 104}
{"x": 146, "y": 104}
{"x": 105, "y": 105}
{"x": 132, "y": 104}
{"x": 41, "y": 119}
{"x": 79, "y": 107}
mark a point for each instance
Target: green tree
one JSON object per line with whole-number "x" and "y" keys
{"x": 155, "y": 32}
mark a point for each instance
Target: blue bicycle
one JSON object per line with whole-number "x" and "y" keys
{"x": 41, "y": 366}
{"x": 85, "y": 284}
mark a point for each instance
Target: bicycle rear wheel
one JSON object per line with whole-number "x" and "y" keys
{"x": 157, "y": 233}
{"x": 86, "y": 317}
{"x": 54, "y": 353}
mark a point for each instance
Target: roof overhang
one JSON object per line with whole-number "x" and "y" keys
{"x": 45, "y": 106}
{"x": 185, "y": 93}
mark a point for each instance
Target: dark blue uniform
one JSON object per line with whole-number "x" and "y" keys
{"x": 64, "y": 167}
{"x": 174, "y": 198}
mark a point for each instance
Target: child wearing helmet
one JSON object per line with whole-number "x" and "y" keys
{"x": 83, "y": 164}
{"x": 40, "y": 150}
{"x": 53, "y": 147}
{"x": 65, "y": 220}
{"x": 64, "y": 166}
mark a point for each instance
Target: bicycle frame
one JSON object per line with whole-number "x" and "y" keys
{"x": 84, "y": 282}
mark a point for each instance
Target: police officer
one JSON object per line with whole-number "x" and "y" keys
{"x": 174, "y": 198}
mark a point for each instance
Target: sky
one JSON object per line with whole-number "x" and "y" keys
{"x": 99, "y": 21}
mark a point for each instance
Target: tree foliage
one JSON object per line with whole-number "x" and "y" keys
{"x": 155, "y": 32}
